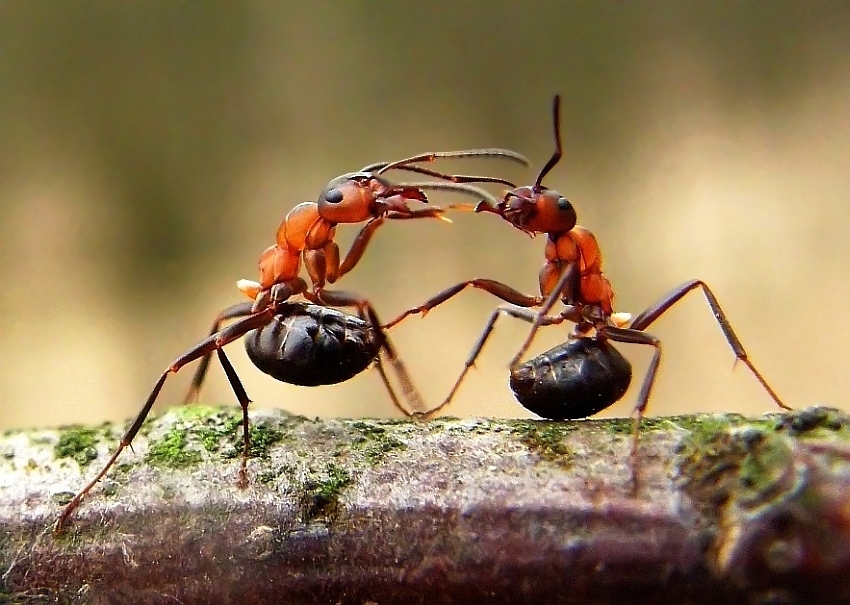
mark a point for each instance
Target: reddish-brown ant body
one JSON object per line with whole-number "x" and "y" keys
{"x": 307, "y": 234}
{"x": 309, "y": 343}
{"x": 586, "y": 374}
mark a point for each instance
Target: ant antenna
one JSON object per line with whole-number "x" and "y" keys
{"x": 556, "y": 157}
{"x": 454, "y": 178}
{"x": 465, "y": 153}
{"x": 459, "y": 187}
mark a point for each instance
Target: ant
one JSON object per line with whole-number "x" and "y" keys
{"x": 307, "y": 234}
{"x": 586, "y": 374}
{"x": 309, "y": 343}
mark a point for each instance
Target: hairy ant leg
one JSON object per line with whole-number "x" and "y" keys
{"x": 637, "y": 336}
{"x": 338, "y": 298}
{"x": 231, "y": 312}
{"x": 524, "y": 314}
{"x": 207, "y": 346}
{"x": 497, "y": 289}
{"x": 645, "y": 319}
{"x": 568, "y": 288}
{"x": 278, "y": 293}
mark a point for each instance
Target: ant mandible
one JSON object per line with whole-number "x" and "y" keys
{"x": 586, "y": 374}
{"x": 303, "y": 343}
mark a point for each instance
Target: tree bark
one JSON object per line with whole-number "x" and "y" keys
{"x": 727, "y": 509}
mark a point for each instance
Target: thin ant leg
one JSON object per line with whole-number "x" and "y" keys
{"x": 519, "y": 313}
{"x": 379, "y": 365}
{"x": 497, "y": 289}
{"x": 339, "y": 298}
{"x": 244, "y": 401}
{"x": 206, "y": 346}
{"x": 361, "y": 241}
{"x": 232, "y": 312}
{"x": 635, "y": 336}
{"x": 358, "y": 248}
{"x": 645, "y": 319}
{"x": 570, "y": 278}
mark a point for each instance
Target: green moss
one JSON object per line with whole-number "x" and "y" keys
{"x": 220, "y": 431}
{"x": 78, "y": 443}
{"x": 109, "y": 488}
{"x": 268, "y": 477}
{"x": 262, "y": 437}
{"x": 62, "y": 498}
{"x": 375, "y": 442}
{"x": 745, "y": 464}
{"x": 171, "y": 451}
{"x": 764, "y": 465}
{"x": 545, "y": 438}
{"x": 321, "y": 492}
{"x": 620, "y": 426}
{"x": 203, "y": 412}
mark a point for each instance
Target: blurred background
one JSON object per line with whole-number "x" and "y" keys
{"x": 148, "y": 152}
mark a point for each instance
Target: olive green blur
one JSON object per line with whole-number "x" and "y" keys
{"x": 149, "y": 151}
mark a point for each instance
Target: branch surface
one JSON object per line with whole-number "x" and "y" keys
{"x": 728, "y": 510}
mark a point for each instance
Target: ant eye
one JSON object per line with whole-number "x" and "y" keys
{"x": 564, "y": 204}
{"x": 333, "y": 196}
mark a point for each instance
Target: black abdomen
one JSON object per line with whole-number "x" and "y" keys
{"x": 576, "y": 379}
{"x": 311, "y": 345}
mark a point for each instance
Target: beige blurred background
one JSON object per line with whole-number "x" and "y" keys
{"x": 149, "y": 150}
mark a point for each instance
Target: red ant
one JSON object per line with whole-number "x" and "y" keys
{"x": 312, "y": 344}
{"x": 586, "y": 374}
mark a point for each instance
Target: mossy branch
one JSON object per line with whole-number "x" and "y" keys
{"x": 729, "y": 510}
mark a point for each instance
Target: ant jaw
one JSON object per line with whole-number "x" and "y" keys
{"x": 397, "y": 198}
{"x": 485, "y": 206}
{"x": 411, "y": 193}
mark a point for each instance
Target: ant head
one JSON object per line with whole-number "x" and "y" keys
{"x": 360, "y": 196}
{"x": 538, "y": 209}
{"x": 350, "y": 198}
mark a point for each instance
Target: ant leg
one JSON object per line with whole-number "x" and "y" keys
{"x": 379, "y": 365}
{"x": 205, "y": 347}
{"x": 331, "y": 251}
{"x": 643, "y": 321}
{"x": 497, "y": 289}
{"x": 244, "y": 401}
{"x": 355, "y": 253}
{"x": 569, "y": 278}
{"x": 635, "y": 336}
{"x": 233, "y": 312}
{"x": 316, "y": 263}
{"x": 335, "y": 270}
{"x": 519, "y": 313}
{"x": 346, "y": 299}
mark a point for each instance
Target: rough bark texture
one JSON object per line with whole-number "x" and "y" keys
{"x": 496, "y": 511}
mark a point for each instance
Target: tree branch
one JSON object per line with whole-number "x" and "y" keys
{"x": 728, "y": 510}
